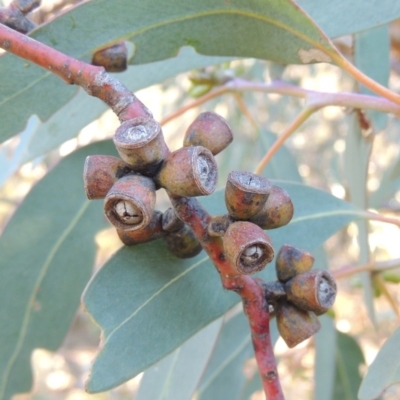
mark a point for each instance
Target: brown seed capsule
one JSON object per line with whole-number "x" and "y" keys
{"x": 312, "y": 291}
{"x": 113, "y": 58}
{"x": 171, "y": 222}
{"x": 246, "y": 194}
{"x": 100, "y": 173}
{"x": 295, "y": 325}
{"x": 247, "y": 247}
{"x": 183, "y": 243}
{"x": 140, "y": 143}
{"x": 277, "y": 211}
{"x": 291, "y": 261}
{"x": 189, "y": 171}
{"x": 25, "y": 6}
{"x": 150, "y": 232}
{"x": 129, "y": 205}
{"x": 209, "y": 130}
{"x": 219, "y": 224}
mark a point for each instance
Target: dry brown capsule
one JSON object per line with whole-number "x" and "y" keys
{"x": 170, "y": 221}
{"x": 100, "y": 173}
{"x": 246, "y": 194}
{"x": 189, "y": 171}
{"x": 25, "y": 6}
{"x": 312, "y": 291}
{"x": 209, "y": 130}
{"x": 140, "y": 143}
{"x": 295, "y": 325}
{"x": 247, "y": 247}
{"x": 150, "y": 232}
{"x": 129, "y": 205}
{"x": 113, "y": 58}
{"x": 277, "y": 211}
{"x": 183, "y": 243}
{"x": 291, "y": 261}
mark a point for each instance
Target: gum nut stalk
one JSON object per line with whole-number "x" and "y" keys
{"x": 150, "y": 232}
{"x": 171, "y": 221}
{"x": 312, "y": 291}
{"x": 183, "y": 243}
{"x": 129, "y": 205}
{"x": 246, "y": 194}
{"x": 113, "y": 58}
{"x": 247, "y": 247}
{"x": 100, "y": 173}
{"x": 209, "y": 130}
{"x": 277, "y": 211}
{"x": 189, "y": 171}
{"x": 295, "y": 325}
{"x": 140, "y": 143}
{"x": 291, "y": 261}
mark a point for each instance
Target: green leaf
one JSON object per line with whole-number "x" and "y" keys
{"x": 343, "y": 17}
{"x": 384, "y": 370}
{"x": 148, "y": 303}
{"x": 349, "y": 359}
{"x": 176, "y": 376}
{"x": 283, "y": 32}
{"x": 47, "y": 254}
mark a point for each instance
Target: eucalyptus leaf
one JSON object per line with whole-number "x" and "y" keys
{"x": 384, "y": 370}
{"x": 277, "y": 30}
{"x": 47, "y": 255}
{"x": 349, "y": 359}
{"x": 148, "y": 303}
{"x": 176, "y": 376}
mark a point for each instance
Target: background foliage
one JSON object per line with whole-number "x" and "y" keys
{"x": 151, "y": 306}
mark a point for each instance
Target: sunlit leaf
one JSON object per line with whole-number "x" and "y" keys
{"x": 47, "y": 254}
{"x": 384, "y": 370}
{"x": 276, "y": 30}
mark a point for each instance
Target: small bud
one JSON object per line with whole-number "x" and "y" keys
{"x": 295, "y": 325}
{"x": 113, "y": 58}
{"x": 247, "y": 247}
{"x": 291, "y": 261}
{"x": 100, "y": 173}
{"x": 140, "y": 143}
{"x": 209, "y": 130}
{"x": 189, "y": 171}
{"x": 277, "y": 211}
{"x": 129, "y": 205}
{"x": 245, "y": 194}
{"x": 183, "y": 243}
{"x": 219, "y": 224}
{"x": 312, "y": 291}
{"x": 150, "y": 232}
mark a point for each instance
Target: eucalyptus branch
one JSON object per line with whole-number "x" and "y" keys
{"x": 373, "y": 267}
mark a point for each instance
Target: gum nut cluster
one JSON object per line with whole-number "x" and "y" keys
{"x": 253, "y": 204}
{"x": 128, "y": 184}
{"x": 306, "y": 294}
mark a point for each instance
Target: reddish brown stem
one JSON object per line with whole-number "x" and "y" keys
{"x": 247, "y": 287}
{"x": 94, "y": 80}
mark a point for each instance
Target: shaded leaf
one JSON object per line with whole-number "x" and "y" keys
{"x": 176, "y": 376}
{"x": 283, "y": 32}
{"x": 148, "y": 303}
{"x": 384, "y": 370}
{"x": 47, "y": 255}
{"x": 349, "y": 359}
{"x": 343, "y": 17}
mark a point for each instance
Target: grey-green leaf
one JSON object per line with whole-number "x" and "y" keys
{"x": 349, "y": 359}
{"x": 384, "y": 370}
{"x": 176, "y": 376}
{"x": 47, "y": 254}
